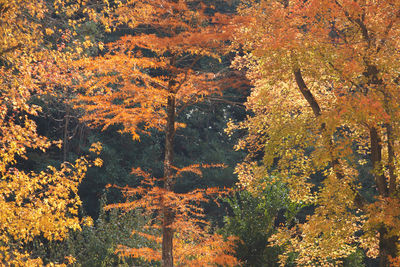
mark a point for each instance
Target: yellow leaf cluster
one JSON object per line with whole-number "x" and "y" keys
{"x": 31, "y": 204}
{"x": 325, "y": 76}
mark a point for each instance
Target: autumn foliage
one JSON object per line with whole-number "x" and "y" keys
{"x": 32, "y": 204}
{"x": 131, "y": 83}
{"x": 323, "y": 120}
{"x": 325, "y": 100}
{"x": 194, "y": 243}
{"x": 143, "y": 81}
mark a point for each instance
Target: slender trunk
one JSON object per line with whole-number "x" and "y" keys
{"x": 391, "y": 156}
{"x": 306, "y": 92}
{"x": 317, "y": 113}
{"x": 390, "y": 144}
{"x": 387, "y": 243}
{"x": 358, "y": 200}
{"x": 168, "y": 216}
{"x": 387, "y": 247}
{"x": 65, "y": 139}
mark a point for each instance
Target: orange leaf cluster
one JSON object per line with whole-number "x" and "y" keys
{"x": 193, "y": 244}
{"x": 130, "y": 85}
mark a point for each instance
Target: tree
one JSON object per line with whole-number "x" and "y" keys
{"x": 32, "y": 204}
{"x": 145, "y": 79}
{"x": 325, "y": 102}
{"x": 194, "y": 243}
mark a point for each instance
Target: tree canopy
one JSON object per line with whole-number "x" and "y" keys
{"x": 325, "y": 102}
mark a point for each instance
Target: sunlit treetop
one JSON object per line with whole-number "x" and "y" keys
{"x": 325, "y": 102}
{"x": 131, "y": 82}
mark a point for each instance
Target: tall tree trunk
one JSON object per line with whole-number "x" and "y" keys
{"x": 387, "y": 247}
{"x": 168, "y": 216}
{"x": 387, "y": 243}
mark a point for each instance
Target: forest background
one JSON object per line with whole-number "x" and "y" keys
{"x": 199, "y": 133}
